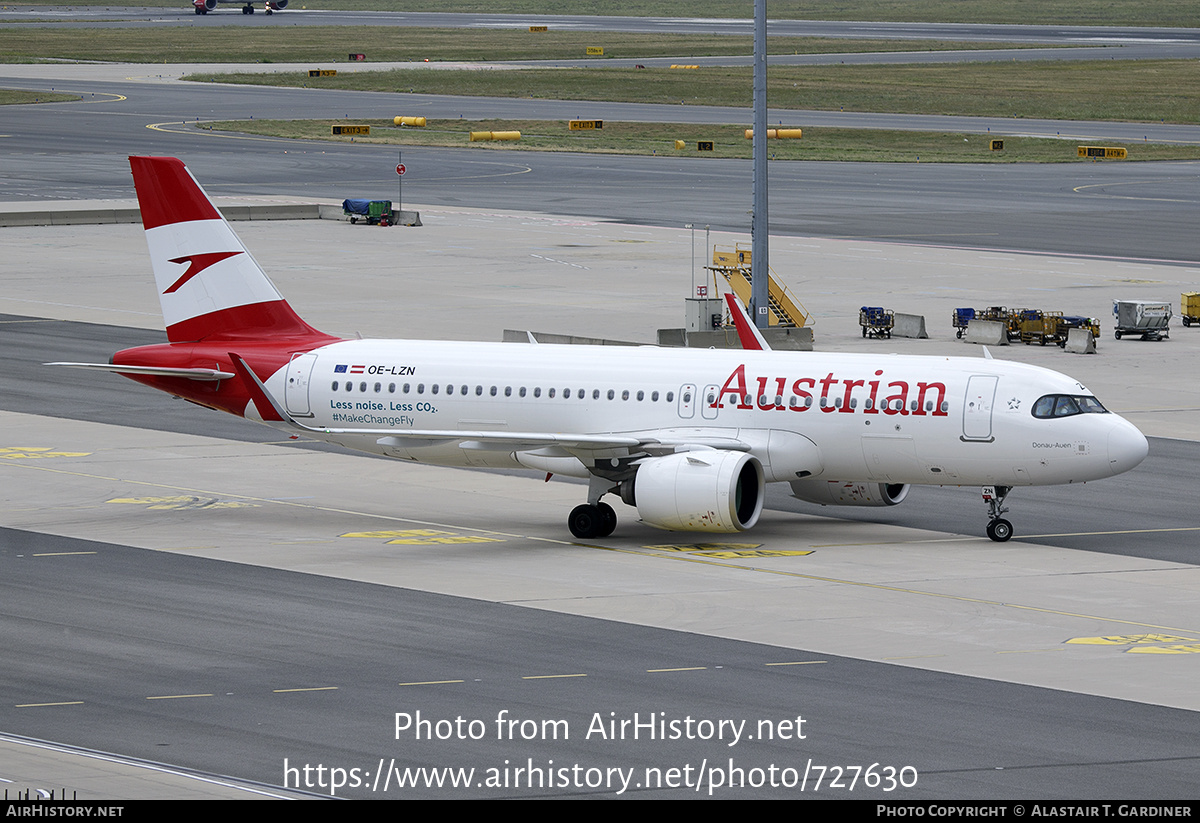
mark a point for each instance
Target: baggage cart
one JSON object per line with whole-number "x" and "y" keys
{"x": 876, "y": 321}
{"x": 1189, "y": 305}
{"x": 1041, "y": 327}
{"x": 1014, "y": 320}
{"x": 1146, "y": 318}
{"x": 371, "y": 212}
{"x": 1077, "y": 322}
{"x": 960, "y": 321}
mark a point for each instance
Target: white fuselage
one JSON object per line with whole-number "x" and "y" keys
{"x": 862, "y": 417}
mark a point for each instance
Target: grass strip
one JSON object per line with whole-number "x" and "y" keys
{"x": 10, "y": 97}
{"x": 332, "y": 44}
{"x": 1117, "y": 90}
{"x": 728, "y": 141}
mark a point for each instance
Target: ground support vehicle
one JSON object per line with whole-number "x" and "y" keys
{"x": 876, "y": 321}
{"x": 371, "y": 212}
{"x": 1189, "y": 307}
{"x": 1069, "y": 322}
{"x": 1041, "y": 327}
{"x": 961, "y": 319}
{"x": 1147, "y": 318}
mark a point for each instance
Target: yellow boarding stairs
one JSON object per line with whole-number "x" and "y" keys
{"x": 734, "y": 265}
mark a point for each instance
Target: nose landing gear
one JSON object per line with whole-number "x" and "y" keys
{"x": 998, "y": 528}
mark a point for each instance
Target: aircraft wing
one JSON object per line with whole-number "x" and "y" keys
{"x": 491, "y": 440}
{"x": 652, "y": 444}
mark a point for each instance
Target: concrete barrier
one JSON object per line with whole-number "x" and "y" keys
{"x": 85, "y": 213}
{"x": 69, "y": 217}
{"x": 779, "y": 339}
{"x": 521, "y": 336}
{"x": 1080, "y": 341}
{"x": 987, "y": 332}
{"x": 909, "y": 325}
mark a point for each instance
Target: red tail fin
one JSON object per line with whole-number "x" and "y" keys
{"x": 209, "y": 285}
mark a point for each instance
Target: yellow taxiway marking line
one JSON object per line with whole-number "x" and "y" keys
{"x": 798, "y": 663}
{"x": 430, "y": 682}
{"x": 683, "y": 669}
{"x": 668, "y": 557}
{"x": 313, "y": 689}
{"x": 550, "y": 676}
{"x": 111, "y": 97}
{"x": 60, "y": 554}
{"x": 177, "y": 696}
{"x": 230, "y": 136}
{"x": 40, "y": 705}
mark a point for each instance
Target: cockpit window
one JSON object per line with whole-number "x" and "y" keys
{"x": 1066, "y": 405}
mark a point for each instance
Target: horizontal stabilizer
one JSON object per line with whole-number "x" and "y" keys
{"x": 210, "y": 375}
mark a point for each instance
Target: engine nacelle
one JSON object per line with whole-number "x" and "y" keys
{"x": 839, "y": 493}
{"x": 204, "y": 6}
{"x": 699, "y": 491}
{"x": 277, "y": 5}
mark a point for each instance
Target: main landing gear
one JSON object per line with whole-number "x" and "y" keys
{"x": 594, "y": 519}
{"x": 998, "y": 528}
{"x": 590, "y": 521}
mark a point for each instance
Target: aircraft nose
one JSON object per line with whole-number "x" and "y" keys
{"x": 1127, "y": 447}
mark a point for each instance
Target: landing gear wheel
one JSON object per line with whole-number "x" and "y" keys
{"x": 586, "y": 521}
{"x": 999, "y": 530}
{"x": 608, "y": 519}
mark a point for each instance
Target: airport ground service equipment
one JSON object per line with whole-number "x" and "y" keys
{"x": 371, "y": 212}
{"x": 876, "y": 321}
{"x": 1147, "y": 318}
{"x": 1041, "y": 327}
{"x": 961, "y": 319}
{"x": 1189, "y": 307}
{"x": 734, "y": 265}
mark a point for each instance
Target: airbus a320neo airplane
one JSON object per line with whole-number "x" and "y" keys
{"x": 688, "y": 437}
{"x": 270, "y": 6}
